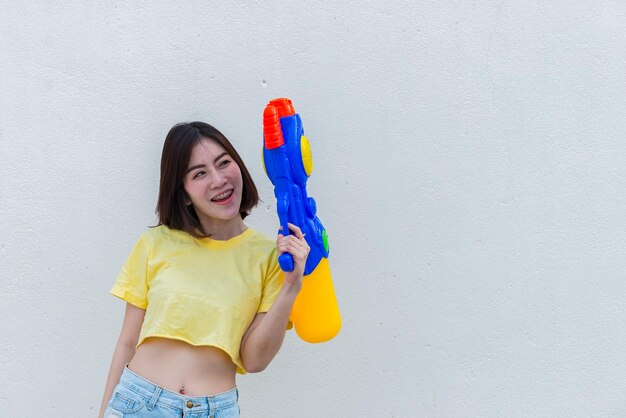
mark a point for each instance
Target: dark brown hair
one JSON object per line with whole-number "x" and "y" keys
{"x": 172, "y": 208}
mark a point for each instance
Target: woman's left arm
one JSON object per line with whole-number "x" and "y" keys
{"x": 266, "y": 333}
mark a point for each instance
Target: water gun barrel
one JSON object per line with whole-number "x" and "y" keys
{"x": 273, "y": 140}
{"x": 288, "y": 164}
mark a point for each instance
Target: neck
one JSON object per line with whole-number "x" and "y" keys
{"x": 223, "y": 230}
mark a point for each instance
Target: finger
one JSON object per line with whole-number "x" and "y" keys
{"x": 286, "y": 240}
{"x": 296, "y": 242}
{"x": 283, "y": 248}
{"x": 290, "y": 239}
{"x": 296, "y": 230}
{"x": 295, "y": 248}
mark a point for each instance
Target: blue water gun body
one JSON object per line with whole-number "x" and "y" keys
{"x": 288, "y": 164}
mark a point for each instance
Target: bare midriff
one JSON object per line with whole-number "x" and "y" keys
{"x": 183, "y": 368}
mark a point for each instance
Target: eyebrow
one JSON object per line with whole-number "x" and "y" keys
{"x": 219, "y": 157}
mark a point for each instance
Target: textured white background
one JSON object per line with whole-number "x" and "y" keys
{"x": 470, "y": 169}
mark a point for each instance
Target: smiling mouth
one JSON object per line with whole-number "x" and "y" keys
{"x": 223, "y": 196}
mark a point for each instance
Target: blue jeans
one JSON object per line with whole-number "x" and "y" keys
{"x": 135, "y": 397}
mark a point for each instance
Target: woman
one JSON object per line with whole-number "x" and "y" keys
{"x": 205, "y": 295}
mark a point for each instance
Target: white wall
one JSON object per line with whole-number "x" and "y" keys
{"x": 469, "y": 169}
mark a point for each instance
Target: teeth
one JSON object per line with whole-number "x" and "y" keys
{"x": 223, "y": 195}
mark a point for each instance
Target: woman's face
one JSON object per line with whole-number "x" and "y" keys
{"x": 213, "y": 183}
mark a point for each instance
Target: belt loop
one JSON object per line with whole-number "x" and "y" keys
{"x": 211, "y": 407}
{"x": 155, "y": 396}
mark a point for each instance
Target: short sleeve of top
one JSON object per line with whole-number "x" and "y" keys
{"x": 132, "y": 283}
{"x": 201, "y": 291}
{"x": 271, "y": 282}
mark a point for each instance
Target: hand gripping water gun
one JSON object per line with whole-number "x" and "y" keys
{"x": 288, "y": 164}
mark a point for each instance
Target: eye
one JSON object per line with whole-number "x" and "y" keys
{"x": 198, "y": 174}
{"x": 224, "y": 163}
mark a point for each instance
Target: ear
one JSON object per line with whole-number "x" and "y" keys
{"x": 187, "y": 199}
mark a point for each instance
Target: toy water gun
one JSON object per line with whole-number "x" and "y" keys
{"x": 288, "y": 164}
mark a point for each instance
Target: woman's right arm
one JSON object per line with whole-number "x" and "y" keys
{"x": 124, "y": 350}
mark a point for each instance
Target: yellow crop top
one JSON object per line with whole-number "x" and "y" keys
{"x": 201, "y": 291}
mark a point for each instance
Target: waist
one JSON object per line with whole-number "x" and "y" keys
{"x": 156, "y": 393}
{"x": 175, "y": 365}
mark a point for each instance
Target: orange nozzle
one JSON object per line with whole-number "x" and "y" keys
{"x": 272, "y": 131}
{"x": 284, "y": 107}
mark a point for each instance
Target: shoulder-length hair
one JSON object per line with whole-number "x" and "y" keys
{"x": 172, "y": 208}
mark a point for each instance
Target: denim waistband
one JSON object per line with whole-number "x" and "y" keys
{"x": 138, "y": 384}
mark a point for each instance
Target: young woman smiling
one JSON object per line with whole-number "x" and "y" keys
{"x": 205, "y": 297}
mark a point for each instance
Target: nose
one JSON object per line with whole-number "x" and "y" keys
{"x": 218, "y": 180}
